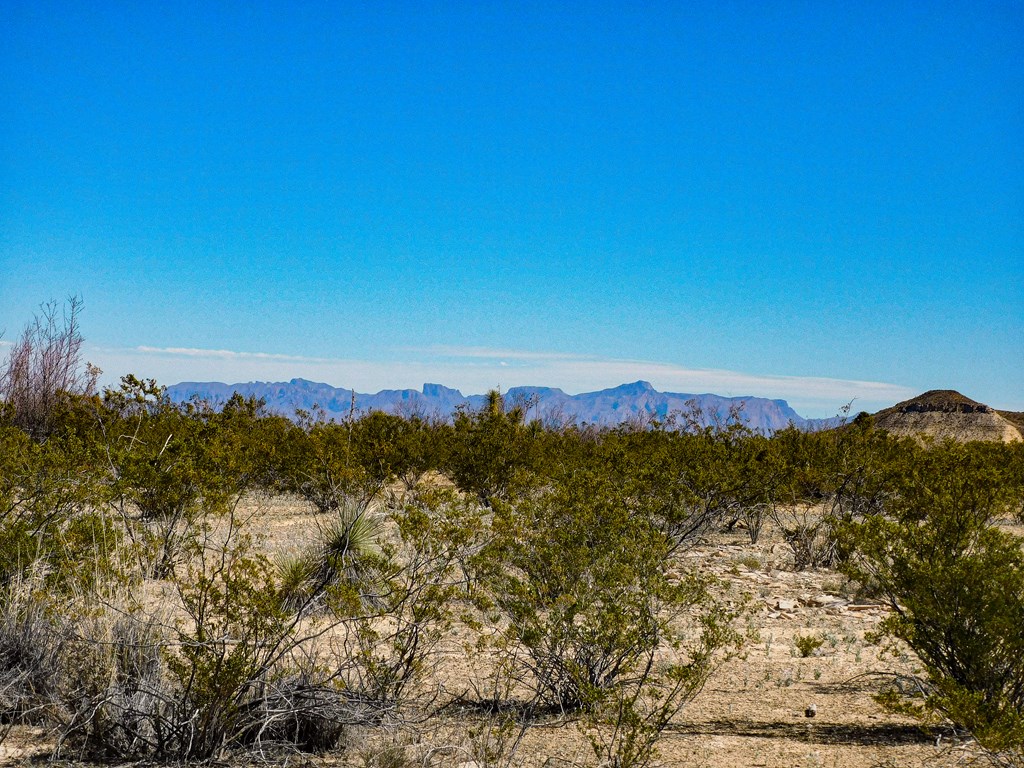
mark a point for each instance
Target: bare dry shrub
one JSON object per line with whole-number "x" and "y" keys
{"x": 30, "y": 651}
{"x": 45, "y": 365}
{"x": 810, "y": 534}
{"x": 116, "y": 699}
{"x": 307, "y": 708}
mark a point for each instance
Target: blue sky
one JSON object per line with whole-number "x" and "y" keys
{"x": 816, "y": 201}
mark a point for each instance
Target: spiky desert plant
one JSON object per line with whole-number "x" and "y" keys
{"x": 295, "y": 572}
{"x": 345, "y": 555}
{"x": 350, "y": 539}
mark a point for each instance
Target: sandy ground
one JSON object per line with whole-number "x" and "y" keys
{"x": 752, "y": 712}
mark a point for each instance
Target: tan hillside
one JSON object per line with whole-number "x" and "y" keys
{"x": 1016, "y": 418}
{"x": 945, "y": 413}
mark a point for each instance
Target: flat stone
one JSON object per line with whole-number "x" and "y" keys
{"x": 825, "y": 599}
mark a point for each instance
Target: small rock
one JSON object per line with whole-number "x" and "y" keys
{"x": 823, "y": 600}
{"x": 811, "y": 711}
{"x": 786, "y": 605}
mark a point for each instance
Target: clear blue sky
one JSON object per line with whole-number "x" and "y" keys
{"x": 807, "y": 200}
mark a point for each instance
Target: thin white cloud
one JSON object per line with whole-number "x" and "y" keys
{"x": 222, "y": 354}
{"x": 477, "y": 369}
{"x": 488, "y": 353}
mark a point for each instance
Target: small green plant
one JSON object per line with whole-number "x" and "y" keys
{"x": 808, "y": 644}
{"x": 387, "y": 756}
{"x": 751, "y": 562}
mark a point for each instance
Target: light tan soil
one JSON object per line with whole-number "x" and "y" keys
{"x": 750, "y": 713}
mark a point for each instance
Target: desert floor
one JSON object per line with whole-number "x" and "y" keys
{"x": 750, "y": 713}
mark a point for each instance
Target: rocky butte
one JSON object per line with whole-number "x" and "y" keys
{"x": 945, "y": 413}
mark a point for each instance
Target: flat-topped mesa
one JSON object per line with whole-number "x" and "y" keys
{"x": 946, "y": 414}
{"x": 942, "y": 401}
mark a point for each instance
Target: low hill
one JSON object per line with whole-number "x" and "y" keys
{"x": 945, "y": 413}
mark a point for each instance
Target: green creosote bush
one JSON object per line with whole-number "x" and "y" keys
{"x": 230, "y": 641}
{"x": 231, "y": 669}
{"x": 173, "y": 467}
{"x": 955, "y": 583}
{"x": 391, "y": 447}
{"x": 494, "y": 453}
{"x": 579, "y": 585}
{"x": 631, "y": 720}
{"x": 833, "y": 478}
{"x": 591, "y": 621}
{"x": 689, "y": 481}
{"x": 320, "y": 463}
{"x": 51, "y": 517}
{"x": 418, "y": 588}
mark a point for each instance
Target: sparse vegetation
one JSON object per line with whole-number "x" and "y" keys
{"x": 144, "y": 616}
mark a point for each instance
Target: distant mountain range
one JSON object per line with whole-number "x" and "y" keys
{"x": 937, "y": 413}
{"x": 608, "y": 407}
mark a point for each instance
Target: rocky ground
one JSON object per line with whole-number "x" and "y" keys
{"x": 752, "y": 712}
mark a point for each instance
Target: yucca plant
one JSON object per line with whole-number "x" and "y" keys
{"x": 346, "y": 555}
{"x": 295, "y": 573}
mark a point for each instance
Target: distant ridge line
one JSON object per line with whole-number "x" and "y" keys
{"x": 637, "y": 400}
